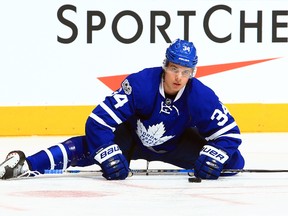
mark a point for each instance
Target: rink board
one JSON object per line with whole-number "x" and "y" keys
{"x": 70, "y": 120}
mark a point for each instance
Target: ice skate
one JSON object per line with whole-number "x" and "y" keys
{"x": 14, "y": 165}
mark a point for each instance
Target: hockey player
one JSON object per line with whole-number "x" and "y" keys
{"x": 158, "y": 114}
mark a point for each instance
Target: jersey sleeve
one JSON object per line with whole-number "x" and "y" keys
{"x": 215, "y": 123}
{"x": 134, "y": 97}
{"x": 105, "y": 118}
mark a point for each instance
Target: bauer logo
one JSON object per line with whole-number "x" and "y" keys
{"x": 107, "y": 153}
{"x": 214, "y": 153}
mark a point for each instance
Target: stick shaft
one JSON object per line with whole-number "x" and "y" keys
{"x": 169, "y": 171}
{"x": 253, "y": 170}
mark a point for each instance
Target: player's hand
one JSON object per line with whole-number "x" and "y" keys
{"x": 210, "y": 163}
{"x": 113, "y": 163}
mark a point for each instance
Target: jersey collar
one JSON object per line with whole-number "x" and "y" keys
{"x": 161, "y": 90}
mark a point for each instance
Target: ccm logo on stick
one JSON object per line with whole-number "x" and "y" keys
{"x": 214, "y": 153}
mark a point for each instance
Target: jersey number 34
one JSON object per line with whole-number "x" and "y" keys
{"x": 220, "y": 116}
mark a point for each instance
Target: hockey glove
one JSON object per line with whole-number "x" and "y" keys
{"x": 113, "y": 163}
{"x": 210, "y": 163}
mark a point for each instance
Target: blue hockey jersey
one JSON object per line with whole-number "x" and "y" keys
{"x": 158, "y": 121}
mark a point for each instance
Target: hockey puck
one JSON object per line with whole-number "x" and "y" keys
{"x": 194, "y": 180}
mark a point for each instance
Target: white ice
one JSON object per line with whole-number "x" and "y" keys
{"x": 86, "y": 194}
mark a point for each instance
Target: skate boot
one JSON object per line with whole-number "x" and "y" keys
{"x": 15, "y": 165}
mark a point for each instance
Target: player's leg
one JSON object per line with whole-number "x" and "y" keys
{"x": 187, "y": 151}
{"x": 72, "y": 152}
{"x": 184, "y": 156}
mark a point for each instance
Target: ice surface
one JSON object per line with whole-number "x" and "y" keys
{"x": 85, "y": 194}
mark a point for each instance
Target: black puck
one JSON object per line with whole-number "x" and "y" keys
{"x": 194, "y": 180}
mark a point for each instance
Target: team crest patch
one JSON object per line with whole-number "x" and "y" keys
{"x": 153, "y": 135}
{"x": 126, "y": 87}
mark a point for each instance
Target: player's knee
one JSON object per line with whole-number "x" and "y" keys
{"x": 74, "y": 147}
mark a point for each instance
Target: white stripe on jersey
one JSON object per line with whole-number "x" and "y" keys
{"x": 65, "y": 156}
{"x": 111, "y": 113}
{"x": 222, "y": 131}
{"x": 237, "y": 136}
{"x": 100, "y": 121}
{"x": 51, "y": 159}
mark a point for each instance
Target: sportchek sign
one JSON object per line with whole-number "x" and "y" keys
{"x": 75, "y": 53}
{"x": 160, "y": 22}
{"x": 60, "y": 59}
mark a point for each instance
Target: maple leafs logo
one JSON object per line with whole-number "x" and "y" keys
{"x": 153, "y": 136}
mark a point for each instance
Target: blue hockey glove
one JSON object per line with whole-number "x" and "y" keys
{"x": 113, "y": 163}
{"x": 210, "y": 163}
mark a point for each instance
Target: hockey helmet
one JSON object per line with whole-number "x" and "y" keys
{"x": 183, "y": 53}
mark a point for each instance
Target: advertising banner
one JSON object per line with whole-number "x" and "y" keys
{"x": 60, "y": 57}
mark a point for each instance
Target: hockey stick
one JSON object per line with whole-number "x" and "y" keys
{"x": 253, "y": 170}
{"x": 168, "y": 171}
{"x": 132, "y": 172}
{"x": 191, "y": 171}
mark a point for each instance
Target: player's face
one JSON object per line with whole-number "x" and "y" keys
{"x": 176, "y": 77}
